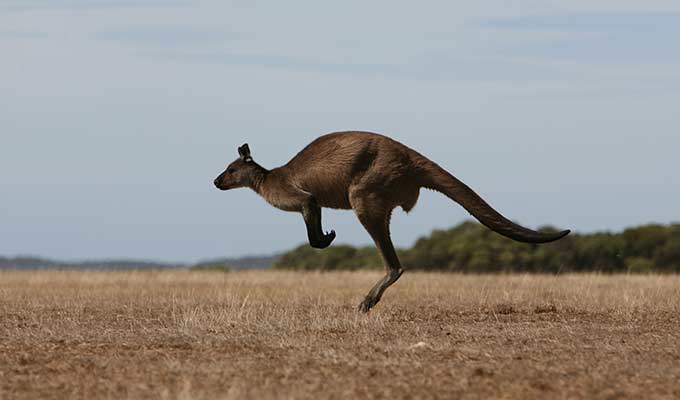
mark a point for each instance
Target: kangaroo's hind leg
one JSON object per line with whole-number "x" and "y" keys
{"x": 376, "y": 220}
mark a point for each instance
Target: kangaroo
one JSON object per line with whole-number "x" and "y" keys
{"x": 371, "y": 174}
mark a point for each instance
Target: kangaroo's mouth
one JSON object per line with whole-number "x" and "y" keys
{"x": 219, "y": 185}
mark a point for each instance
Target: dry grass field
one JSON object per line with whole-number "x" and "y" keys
{"x": 259, "y": 335}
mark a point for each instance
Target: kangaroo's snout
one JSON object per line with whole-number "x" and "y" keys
{"x": 218, "y": 181}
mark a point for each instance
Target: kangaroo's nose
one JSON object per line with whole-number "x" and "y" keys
{"x": 217, "y": 181}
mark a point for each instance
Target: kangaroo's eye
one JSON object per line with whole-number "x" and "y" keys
{"x": 231, "y": 170}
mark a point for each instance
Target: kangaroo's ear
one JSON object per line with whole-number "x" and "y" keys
{"x": 244, "y": 153}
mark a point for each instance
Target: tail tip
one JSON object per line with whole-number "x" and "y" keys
{"x": 561, "y": 234}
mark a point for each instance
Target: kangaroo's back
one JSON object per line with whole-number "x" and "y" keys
{"x": 329, "y": 165}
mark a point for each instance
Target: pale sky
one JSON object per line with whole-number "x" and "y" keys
{"x": 116, "y": 116}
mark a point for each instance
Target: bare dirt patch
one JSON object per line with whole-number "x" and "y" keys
{"x": 182, "y": 334}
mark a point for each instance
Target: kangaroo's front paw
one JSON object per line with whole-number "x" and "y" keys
{"x": 328, "y": 238}
{"x": 323, "y": 242}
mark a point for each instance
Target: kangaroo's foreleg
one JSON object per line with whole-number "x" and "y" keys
{"x": 376, "y": 222}
{"x": 311, "y": 212}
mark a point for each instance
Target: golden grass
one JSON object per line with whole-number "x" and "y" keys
{"x": 266, "y": 334}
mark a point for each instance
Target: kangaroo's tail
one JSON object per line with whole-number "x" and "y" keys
{"x": 436, "y": 178}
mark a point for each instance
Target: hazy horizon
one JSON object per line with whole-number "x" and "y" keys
{"x": 251, "y": 255}
{"x": 117, "y": 116}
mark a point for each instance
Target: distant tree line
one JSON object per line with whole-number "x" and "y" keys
{"x": 470, "y": 247}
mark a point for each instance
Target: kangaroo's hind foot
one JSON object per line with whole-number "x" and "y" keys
{"x": 373, "y": 297}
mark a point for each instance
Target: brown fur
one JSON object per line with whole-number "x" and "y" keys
{"x": 371, "y": 174}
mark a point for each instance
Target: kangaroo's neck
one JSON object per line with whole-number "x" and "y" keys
{"x": 259, "y": 178}
{"x": 275, "y": 187}
{"x": 265, "y": 181}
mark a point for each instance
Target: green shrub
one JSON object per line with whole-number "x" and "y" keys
{"x": 471, "y": 247}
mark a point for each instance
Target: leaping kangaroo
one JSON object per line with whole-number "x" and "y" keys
{"x": 370, "y": 174}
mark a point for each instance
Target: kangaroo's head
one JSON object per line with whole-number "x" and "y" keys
{"x": 243, "y": 172}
